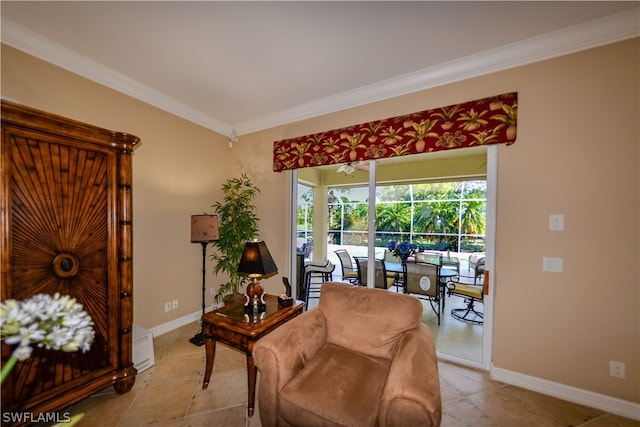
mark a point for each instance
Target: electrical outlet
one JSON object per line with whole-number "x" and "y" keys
{"x": 212, "y": 292}
{"x": 556, "y": 222}
{"x": 174, "y": 304}
{"x": 616, "y": 369}
{"x": 167, "y": 306}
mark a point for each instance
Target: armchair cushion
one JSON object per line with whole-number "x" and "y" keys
{"x": 466, "y": 290}
{"x": 362, "y": 358}
{"x": 280, "y": 357}
{"x": 336, "y": 388}
{"x": 364, "y": 320}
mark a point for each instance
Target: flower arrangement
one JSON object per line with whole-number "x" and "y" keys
{"x": 51, "y": 321}
{"x": 402, "y": 250}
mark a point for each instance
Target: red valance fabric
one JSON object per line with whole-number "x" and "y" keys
{"x": 480, "y": 122}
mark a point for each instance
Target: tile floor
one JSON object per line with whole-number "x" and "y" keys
{"x": 170, "y": 394}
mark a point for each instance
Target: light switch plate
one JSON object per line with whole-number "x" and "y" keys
{"x": 552, "y": 265}
{"x": 556, "y": 222}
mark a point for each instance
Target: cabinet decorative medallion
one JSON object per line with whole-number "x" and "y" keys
{"x": 65, "y": 265}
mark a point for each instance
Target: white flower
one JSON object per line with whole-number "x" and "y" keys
{"x": 22, "y": 352}
{"x": 51, "y": 321}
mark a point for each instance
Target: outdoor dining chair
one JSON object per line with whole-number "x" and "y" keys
{"x": 349, "y": 273}
{"x": 472, "y": 294}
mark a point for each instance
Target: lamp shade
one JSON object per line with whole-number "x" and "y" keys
{"x": 256, "y": 261}
{"x": 204, "y": 228}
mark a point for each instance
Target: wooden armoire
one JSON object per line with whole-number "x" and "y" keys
{"x": 67, "y": 228}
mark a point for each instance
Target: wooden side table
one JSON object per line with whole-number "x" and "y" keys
{"x": 230, "y": 325}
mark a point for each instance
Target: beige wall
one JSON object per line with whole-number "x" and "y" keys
{"x": 177, "y": 171}
{"x": 577, "y": 154}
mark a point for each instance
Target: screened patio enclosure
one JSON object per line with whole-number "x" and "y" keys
{"x": 436, "y": 201}
{"x": 443, "y": 216}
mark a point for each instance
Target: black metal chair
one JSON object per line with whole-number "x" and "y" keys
{"x": 472, "y": 294}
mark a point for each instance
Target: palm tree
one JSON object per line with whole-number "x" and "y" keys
{"x": 395, "y": 217}
{"x": 473, "y": 217}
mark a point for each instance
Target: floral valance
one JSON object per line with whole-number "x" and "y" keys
{"x": 481, "y": 122}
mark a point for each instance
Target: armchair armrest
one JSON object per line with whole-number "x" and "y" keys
{"x": 281, "y": 354}
{"x": 412, "y": 393}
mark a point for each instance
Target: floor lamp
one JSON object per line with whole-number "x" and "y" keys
{"x": 204, "y": 230}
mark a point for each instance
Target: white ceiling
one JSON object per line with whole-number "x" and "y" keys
{"x": 247, "y": 66}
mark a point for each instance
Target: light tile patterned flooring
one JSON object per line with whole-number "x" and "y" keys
{"x": 170, "y": 394}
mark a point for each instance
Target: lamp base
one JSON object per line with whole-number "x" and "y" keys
{"x": 255, "y": 298}
{"x": 198, "y": 339}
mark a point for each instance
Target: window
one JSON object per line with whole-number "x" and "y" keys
{"x": 436, "y": 216}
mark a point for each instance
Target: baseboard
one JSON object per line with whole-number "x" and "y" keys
{"x": 179, "y": 322}
{"x": 605, "y": 403}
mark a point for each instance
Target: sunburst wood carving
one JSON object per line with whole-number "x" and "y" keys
{"x": 59, "y": 210}
{"x": 66, "y": 228}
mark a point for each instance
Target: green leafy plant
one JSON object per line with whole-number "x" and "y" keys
{"x": 238, "y": 223}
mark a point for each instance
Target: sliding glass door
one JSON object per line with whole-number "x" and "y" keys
{"x": 438, "y": 202}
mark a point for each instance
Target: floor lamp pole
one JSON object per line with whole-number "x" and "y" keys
{"x": 198, "y": 339}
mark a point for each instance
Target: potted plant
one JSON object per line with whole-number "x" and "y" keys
{"x": 238, "y": 223}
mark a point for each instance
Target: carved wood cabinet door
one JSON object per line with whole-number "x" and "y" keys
{"x": 66, "y": 228}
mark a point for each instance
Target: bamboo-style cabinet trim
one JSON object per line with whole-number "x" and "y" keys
{"x": 67, "y": 227}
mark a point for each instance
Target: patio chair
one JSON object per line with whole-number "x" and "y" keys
{"x": 478, "y": 272}
{"x": 394, "y": 267}
{"x": 472, "y": 294}
{"x": 429, "y": 258}
{"x": 423, "y": 282}
{"x": 476, "y": 258}
{"x": 390, "y": 257}
{"x": 323, "y": 271}
{"x": 382, "y": 279}
{"x": 349, "y": 273}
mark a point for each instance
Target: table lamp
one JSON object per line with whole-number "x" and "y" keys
{"x": 256, "y": 263}
{"x": 204, "y": 229}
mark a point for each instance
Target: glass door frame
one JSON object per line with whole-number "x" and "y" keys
{"x": 491, "y": 223}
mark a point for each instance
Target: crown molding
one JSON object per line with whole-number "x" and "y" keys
{"x": 34, "y": 44}
{"x": 592, "y": 34}
{"x": 574, "y": 39}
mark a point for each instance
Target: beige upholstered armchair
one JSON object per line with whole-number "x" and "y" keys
{"x": 361, "y": 358}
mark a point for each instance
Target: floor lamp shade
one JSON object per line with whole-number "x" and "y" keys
{"x": 204, "y": 228}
